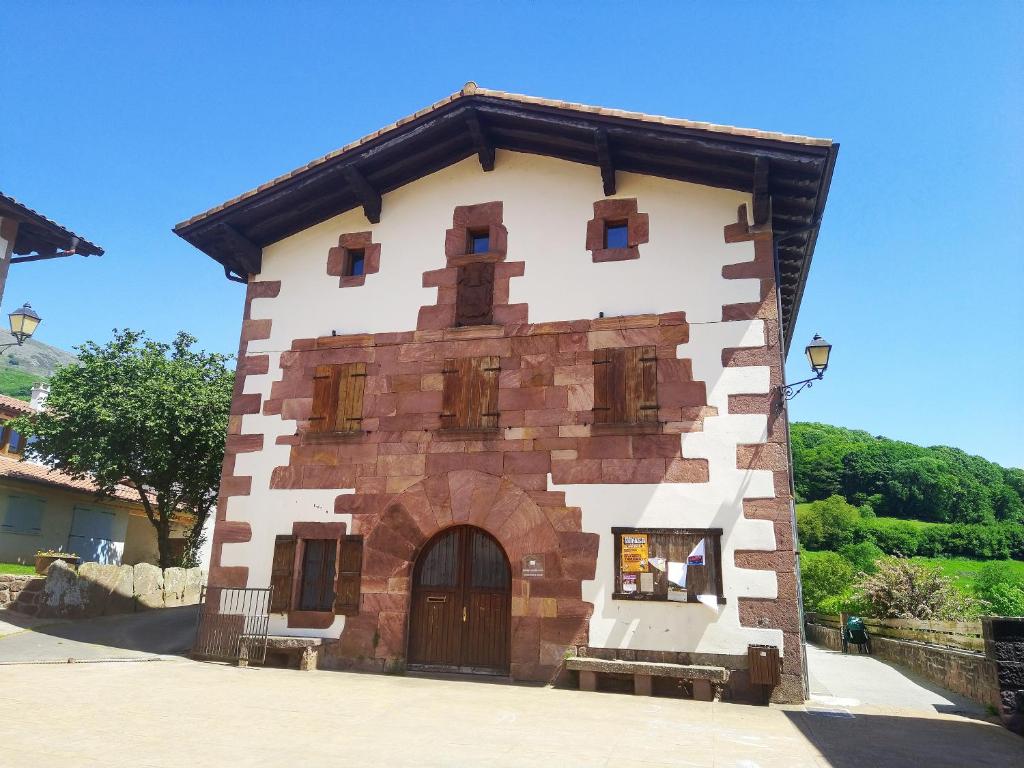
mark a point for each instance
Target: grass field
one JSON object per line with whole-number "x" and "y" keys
{"x": 962, "y": 570}
{"x": 17, "y": 569}
{"x": 17, "y": 383}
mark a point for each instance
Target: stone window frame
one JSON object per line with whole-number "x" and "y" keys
{"x": 303, "y": 532}
{"x": 713, "y": 549}
{"x": 468, "y": 220}
{"x": 339, "y": 258}
{"x": 616, "y": 211}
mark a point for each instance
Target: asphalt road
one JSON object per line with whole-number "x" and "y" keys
{"x": 134, "y": 636}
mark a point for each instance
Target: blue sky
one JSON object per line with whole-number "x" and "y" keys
{"x": 121, "y": 119}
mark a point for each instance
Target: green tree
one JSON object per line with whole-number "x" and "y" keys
{"x": 829, "y": 524}
{"x": 145, "y": 414}
{"x": 823, "y": 576}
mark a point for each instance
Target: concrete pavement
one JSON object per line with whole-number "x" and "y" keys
{"x": 856, "y": 680}
{"x": 179, "y": 712}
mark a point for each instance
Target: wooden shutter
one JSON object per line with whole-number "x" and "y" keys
{"x": 474, "y": 296}
{"x": 350, "y": 568}
{"x": 625, "y": 385}
{"x": 351, "y": 379}
{"x": 455, "y": 376}
{"x": 641, "y": 385}
{"x": 281, "y": 574}
{"x": 470, "y": 396}
{"x": 485, "y": 392}
{"x": 602, "y": 388}
{"x": 325, "y": 398}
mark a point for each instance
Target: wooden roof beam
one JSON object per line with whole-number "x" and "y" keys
{"x": 762, "y": 202}
{"x": 246, "y": 254}
{"x": 484, "y": 148}
{"x": 604, "y": 160}
{"x": 364, "y": 191}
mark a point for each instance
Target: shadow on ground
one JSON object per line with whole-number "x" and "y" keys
{"x": 167, "y": 631}
{"x": 861, "y": 740}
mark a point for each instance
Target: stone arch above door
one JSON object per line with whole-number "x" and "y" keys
{"x": 548, "y": 612}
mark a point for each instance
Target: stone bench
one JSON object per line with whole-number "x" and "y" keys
{"x": 307, "y": 649}
{"x": 708, "y": 682}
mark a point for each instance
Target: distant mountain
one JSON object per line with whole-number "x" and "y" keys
{"x": 20, "y": 367}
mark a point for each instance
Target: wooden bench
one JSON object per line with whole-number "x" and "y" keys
{"x": 306, "y": 648}
{"x": 708, "y": 682}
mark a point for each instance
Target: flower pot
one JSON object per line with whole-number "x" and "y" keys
{"x": 44, "y": 561}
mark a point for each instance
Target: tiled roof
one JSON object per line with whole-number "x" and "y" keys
{"x": 15, "y": 405}
{"x": 44, "y": 226}
{"x": 472, "y": 89}
{"x": 36, "y": 473}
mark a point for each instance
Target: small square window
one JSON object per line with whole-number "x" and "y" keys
{"x": 479, "y": 241}
{"x": 616, "y": 234}
{"x": 356, "y": 262}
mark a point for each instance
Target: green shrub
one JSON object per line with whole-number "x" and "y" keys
{"x": 896, "y": 537}
{"x": 829, "y": 524}
{"x": 1001, "y": 588}
{"x": 902, "y": 589}
{"x": 862, "y": 556}
{"x": 824, "y": 575}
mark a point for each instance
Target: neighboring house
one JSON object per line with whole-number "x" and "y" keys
{"x": 41, "y": 508}
{"x": 508, "y": 390}
{"x": 27, "y": 235}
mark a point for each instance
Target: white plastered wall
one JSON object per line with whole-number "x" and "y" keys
{"x": 547, "y": 204}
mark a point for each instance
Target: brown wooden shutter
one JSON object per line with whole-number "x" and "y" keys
{"x": 641, "y": 385}
{"x": 455, "y": 373}
{"x": 474, "y": 295}
{"x": 325, "y": 398}
{"x": 281, "y": 574}
{"x": 602, "y": 390}
{"x": 350, "y": 568}
{"x": 351, "y": 379}
{"x": 485, "y": 392}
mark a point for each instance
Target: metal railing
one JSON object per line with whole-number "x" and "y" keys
{"x": 233, "y": 624}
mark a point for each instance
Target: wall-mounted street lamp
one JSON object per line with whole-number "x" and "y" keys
{"x": 24, "y": 322}
{"x": 817, "y": 353}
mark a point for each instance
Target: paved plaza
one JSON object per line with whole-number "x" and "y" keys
{"x": 149, "y": 711}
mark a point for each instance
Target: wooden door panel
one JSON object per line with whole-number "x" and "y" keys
{"x": 461, "y": 604}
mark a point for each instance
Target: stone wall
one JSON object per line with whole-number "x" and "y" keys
{"x": 969, "y": 674}
{"x": 100, "y": 590}
{"x": 12, "y": 586}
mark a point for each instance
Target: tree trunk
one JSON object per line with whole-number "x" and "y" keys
{"x": 163, "y": 542}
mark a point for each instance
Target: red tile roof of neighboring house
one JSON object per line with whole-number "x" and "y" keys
{"x": 36, "y": 473}
{"x": 14, "y": 404}
{"x": 42, "y": 235}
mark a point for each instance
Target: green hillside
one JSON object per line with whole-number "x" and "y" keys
{"x": 937, "y": 484}
{"x": 21, "y": 367}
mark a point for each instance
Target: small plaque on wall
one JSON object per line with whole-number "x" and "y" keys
{"x": 533, "y": 566}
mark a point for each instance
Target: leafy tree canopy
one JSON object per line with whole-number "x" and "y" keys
{"x": 143, "y": 413}
{"x": 898, "y": 479}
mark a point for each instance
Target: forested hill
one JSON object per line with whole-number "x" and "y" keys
{"x": 897, "y": 479}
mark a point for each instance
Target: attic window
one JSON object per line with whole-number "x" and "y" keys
{"x": 616, "y": 234}
{"x": 479, "y": 240}
{"x": 356, "y": 262}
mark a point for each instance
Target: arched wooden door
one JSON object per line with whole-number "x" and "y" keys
{"x": 461, "y": 604}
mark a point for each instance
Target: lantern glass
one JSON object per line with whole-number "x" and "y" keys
{"x": 818, "y": 353}
{"x": 24, "y": 322}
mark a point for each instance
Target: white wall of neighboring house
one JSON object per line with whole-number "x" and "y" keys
{"x": 547, "y": 204}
